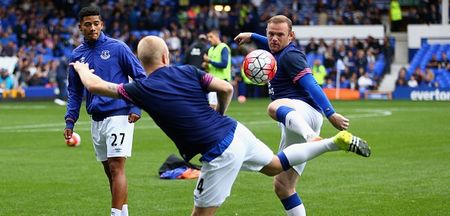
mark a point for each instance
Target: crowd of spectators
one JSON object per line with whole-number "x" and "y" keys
{"x": 424, "y": 77}
{"x": 352, "y": 63}
{"x": 42, "y": 34}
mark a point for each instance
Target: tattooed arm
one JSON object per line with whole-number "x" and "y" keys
{"x": 93, "y": 83}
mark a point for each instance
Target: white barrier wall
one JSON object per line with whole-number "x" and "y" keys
{"x": 434, "y": 34}
{"x": 9, "y": 63}
{"x": 340, "y": 32}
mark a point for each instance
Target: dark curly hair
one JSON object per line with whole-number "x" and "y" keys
{"x": 89, "y": 11}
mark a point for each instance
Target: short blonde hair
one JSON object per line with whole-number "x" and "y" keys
{"x": 150, "y": 50}
{"x": 281, "y": 19}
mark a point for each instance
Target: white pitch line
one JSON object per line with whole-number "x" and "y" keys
{"x": 149, "y": 124}
{"x": 23, "y": 107}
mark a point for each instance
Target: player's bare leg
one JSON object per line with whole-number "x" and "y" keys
{"x": 115, "y": 170}
{"x": 285, "y": 188}
{"x": 108, "y": 173}
{"x": 197, "y": 211}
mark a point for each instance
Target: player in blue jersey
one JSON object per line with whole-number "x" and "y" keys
{"x": 113, "y": 120}
{"x": 297, "y": 102}
{"x": 176, "y": 99}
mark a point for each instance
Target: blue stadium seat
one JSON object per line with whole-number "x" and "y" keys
{"x": 5, "y": 3}
{"x": 53, "y": 21}
{"x": 379, "y": 67}
{"x": 67, "y": 51}
{"x": 430, "y": 52}
{"x": 442, "y": 48}
{"x": 154, "y": 32}
{"x": 416, "y": 59}
{"x": 320, "y": 57}
{"x": 66, "y": 36}
{"x": 48, "y": 57}
{"x": 136, "y": 33}
{"x": 237, "y": 60}
{"x": 68, "y": 22}
{"x": 310, "y": 58}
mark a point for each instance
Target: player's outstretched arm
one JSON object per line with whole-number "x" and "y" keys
{"x": 339, "y": 121}
{"x": 93, "y": 83}
{"x": 224, "y": 93}
{"x": 244, "y": 37}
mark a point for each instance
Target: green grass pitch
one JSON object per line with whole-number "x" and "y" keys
{"x": 407, "y": 174}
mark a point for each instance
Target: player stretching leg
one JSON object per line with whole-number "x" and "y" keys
{"x": 297, "y": 104}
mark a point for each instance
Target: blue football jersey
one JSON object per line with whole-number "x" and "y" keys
{"x": 176, "y": 99}
{"x": 114, "y": 62}
{"x": 292, "y": 66}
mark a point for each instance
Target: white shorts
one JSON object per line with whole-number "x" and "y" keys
{"x": 212, "y": 98}
{"x": 246, "y": 152}
{"x": 112, "y": 137}
{"x": 314, "y": 119}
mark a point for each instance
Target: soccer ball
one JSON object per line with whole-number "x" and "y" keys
{"x": 259, "y": 66}
{"x": 241, "y": 99}
{"x": 74, "y": 141}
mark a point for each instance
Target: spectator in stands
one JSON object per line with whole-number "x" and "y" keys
{"x": 349, "y": 61}
{"x": 51, "y": 74}
{"x": 340, "y": 68}
{"x": 429, "y": 80}
{"x": 322, "y": 47}
{"x": 371, "y": 59}
{"x": 388, "y": 51}
{"x": 373, "y": 45}
{"x": 413, "y": 16}
{"x": 444, "y": 63}
{"x": 323, "y": 15}
{"x": 37, "y": 78}
{"x": 10, "y": 49}
{"x": 344, "y": 82}
{"x": 429, "y": 13}
{"x": 311, "y": 46}
{"x": 319, "y": 72}
{"x": 173, "y": 41}
{"x": 329, "y": 60}
{"x": 361, "y": 61}
{"x": 329, "y": 84}
{"x": 365, "y": 83}
{"x": 401, "y": 80}
{"x": 296, "y": 6}
{"x": 341, "y": 51}
{"x": 357, "y": 44}
{"x": 412, "y": 82}
{"x": 371, "y": 70}
{"x": 353, "y": 81}
{"x": 418, "y": 73}
{"x": 6, "y": 80}
{"x": 433, "y": 63}
{"x": 8, "y": 86}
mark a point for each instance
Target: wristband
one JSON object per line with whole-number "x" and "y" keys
{"x": 70, "y": 124}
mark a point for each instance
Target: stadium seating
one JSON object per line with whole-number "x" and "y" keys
{"x": 422, "y": 58}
